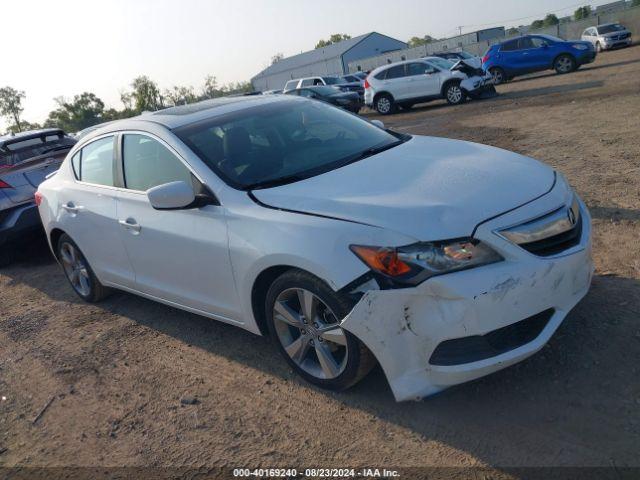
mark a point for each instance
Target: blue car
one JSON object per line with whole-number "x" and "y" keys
{"x": 534, "y": 53}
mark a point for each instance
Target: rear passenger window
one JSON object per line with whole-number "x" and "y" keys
{"x": 148, "y": 163}
{"x": 306, "y": 82}
{"x": 395, "y": 72}
{"x": 96, "y": 163}
{"x": 509, "y": 46}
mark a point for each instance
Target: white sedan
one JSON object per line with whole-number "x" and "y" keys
{"x": 349, "y": 244}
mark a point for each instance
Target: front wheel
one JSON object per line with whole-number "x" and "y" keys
{"x": 303, "y": 315}
{"x": 598, "y": 47}
{"x": 454, "y": 94}
{"x": 78, "y": 272}
{"x": 564, "y": 64}
{"x": 385, "y": 105}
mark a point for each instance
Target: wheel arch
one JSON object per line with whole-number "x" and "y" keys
{"x": 54, "y": 237}
{"x": 564, "y": 54}
{"x": 379, "y": 94}
{"x": 446, "y": 84}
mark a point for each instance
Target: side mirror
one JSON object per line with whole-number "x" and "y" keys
{"x": 378, "y": 123}
{"x": 171, "y": 196}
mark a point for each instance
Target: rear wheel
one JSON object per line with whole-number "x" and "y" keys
{"x": 598, "y": 47}
{"x": 303, "y": 315}
{"x": 78, "y": 272}
{"x": 564, "y": 64}
{"x": 498, "y": 75}
{"x": 384, "y": 104}
{"x": 454, "y": 93}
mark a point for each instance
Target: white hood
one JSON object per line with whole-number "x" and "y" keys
{"x": 429, "y": 188}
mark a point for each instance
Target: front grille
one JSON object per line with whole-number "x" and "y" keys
{"x": 459, "y": 351}
{"x": 556, "y": 244}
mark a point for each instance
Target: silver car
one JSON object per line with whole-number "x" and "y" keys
{"x": 608, "y": 36}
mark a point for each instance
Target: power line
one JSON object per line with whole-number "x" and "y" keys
{"x": 575, "y": 5}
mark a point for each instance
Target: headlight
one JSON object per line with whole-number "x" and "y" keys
{"x": 415, "y": 263}
{"x": 580, "y": 46}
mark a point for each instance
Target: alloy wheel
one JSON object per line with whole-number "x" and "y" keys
{"x": 454, "y": 94}
{"x": 564, "y": 64}
{"x": 310, "y": 334}
{"x": 498, "y": 76}
{"x": 75, "y": 268}
{"x": 384, "y": 105}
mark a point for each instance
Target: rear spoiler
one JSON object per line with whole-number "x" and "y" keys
{"x": 21, "y": 138}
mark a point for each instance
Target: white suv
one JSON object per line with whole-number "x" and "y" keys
{"x": 404, "y": 84}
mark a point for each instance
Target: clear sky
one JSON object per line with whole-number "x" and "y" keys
{"x": 64, "y": 47}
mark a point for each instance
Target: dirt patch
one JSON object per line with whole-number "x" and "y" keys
{"x": 119, "y": 370}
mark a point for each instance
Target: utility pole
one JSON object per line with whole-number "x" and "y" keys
{"x": 460, "y": 29}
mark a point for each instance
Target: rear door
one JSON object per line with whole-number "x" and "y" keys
{"x": 88, "y": 212}
{"x": 508, "y": 57}
{"x": 395, "y": 82}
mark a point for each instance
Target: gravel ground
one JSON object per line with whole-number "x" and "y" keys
{"x": 129, "y": 382}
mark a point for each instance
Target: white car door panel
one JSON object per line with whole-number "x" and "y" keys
{"x": 88, "y": 213}
{"x": 423, "y": 80}
{"x": 181, "y": 256}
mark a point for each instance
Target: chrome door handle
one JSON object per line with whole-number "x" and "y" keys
{"x": 130, "y": 224}
{"x": 71, "y": 208}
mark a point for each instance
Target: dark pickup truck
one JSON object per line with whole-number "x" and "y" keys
{"x": 26, "y": 158}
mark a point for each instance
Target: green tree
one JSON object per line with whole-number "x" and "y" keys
{"x": 211, "y": 88}
{"x": 550, "y": 20}
{"x": 635, "y": 3}
{"x": 85, "y": 110}
{"x": 513, "y": 31}
{"x": 11, "y": 105}
{"x": 276, "y": 58}
{"x": 536, "y": 24}
{"x": 419, "y": 41}
{"x": 180, "y": 95}
{"x": 146, "y": 95}
{"x": 582, "y": 12}
{"x": 23, "y": 127}
{"x": 335, "y": 38}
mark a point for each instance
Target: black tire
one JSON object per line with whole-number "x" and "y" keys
{"x": 499, "y": 75}
{"x": 7, "y": 255}
{"x": 359, "y": 360}
{"x": 96, "y": 291}
{"x": 454, "y": 93}
{"x": 384, "y": 104}
{"x": 598, "y": 47}
{"x": 564, "y": 64}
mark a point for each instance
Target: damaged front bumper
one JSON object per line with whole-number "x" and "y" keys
{"x": 442, "y": 332}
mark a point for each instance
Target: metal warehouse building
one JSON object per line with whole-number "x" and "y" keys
{"x": 330, "y": 60}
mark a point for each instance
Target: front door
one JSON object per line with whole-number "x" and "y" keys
{"x": 422, "y": 80}
{"x": 180, "y": 256}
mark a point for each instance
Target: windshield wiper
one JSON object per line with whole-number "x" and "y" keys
{"x": 369, "y": 152}
{"x": 276, "y": 182}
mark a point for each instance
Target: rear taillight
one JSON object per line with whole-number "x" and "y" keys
{"x": 485, "y": 59}
{"x": 38, "y": 198}
{"x": 366, "y": 83}
{"x": 4, "y": 184}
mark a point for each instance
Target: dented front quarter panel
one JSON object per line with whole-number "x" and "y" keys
{"x": 402, "y": 327}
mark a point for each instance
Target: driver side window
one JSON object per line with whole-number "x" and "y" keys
{"x": 148, "y": 163}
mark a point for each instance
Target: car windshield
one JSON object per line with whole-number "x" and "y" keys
{"x": 614, "y": 27}
{"x": 333, "y": 80}
{"x": 551, "y": 38}
{"x": 465, "y": 55}
{"x": 19, "y": 151}
{"x": 283, "y": 142}
{"x": 441, "y": 63}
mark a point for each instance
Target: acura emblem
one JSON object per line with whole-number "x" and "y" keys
{"x": 571, "y": 216}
